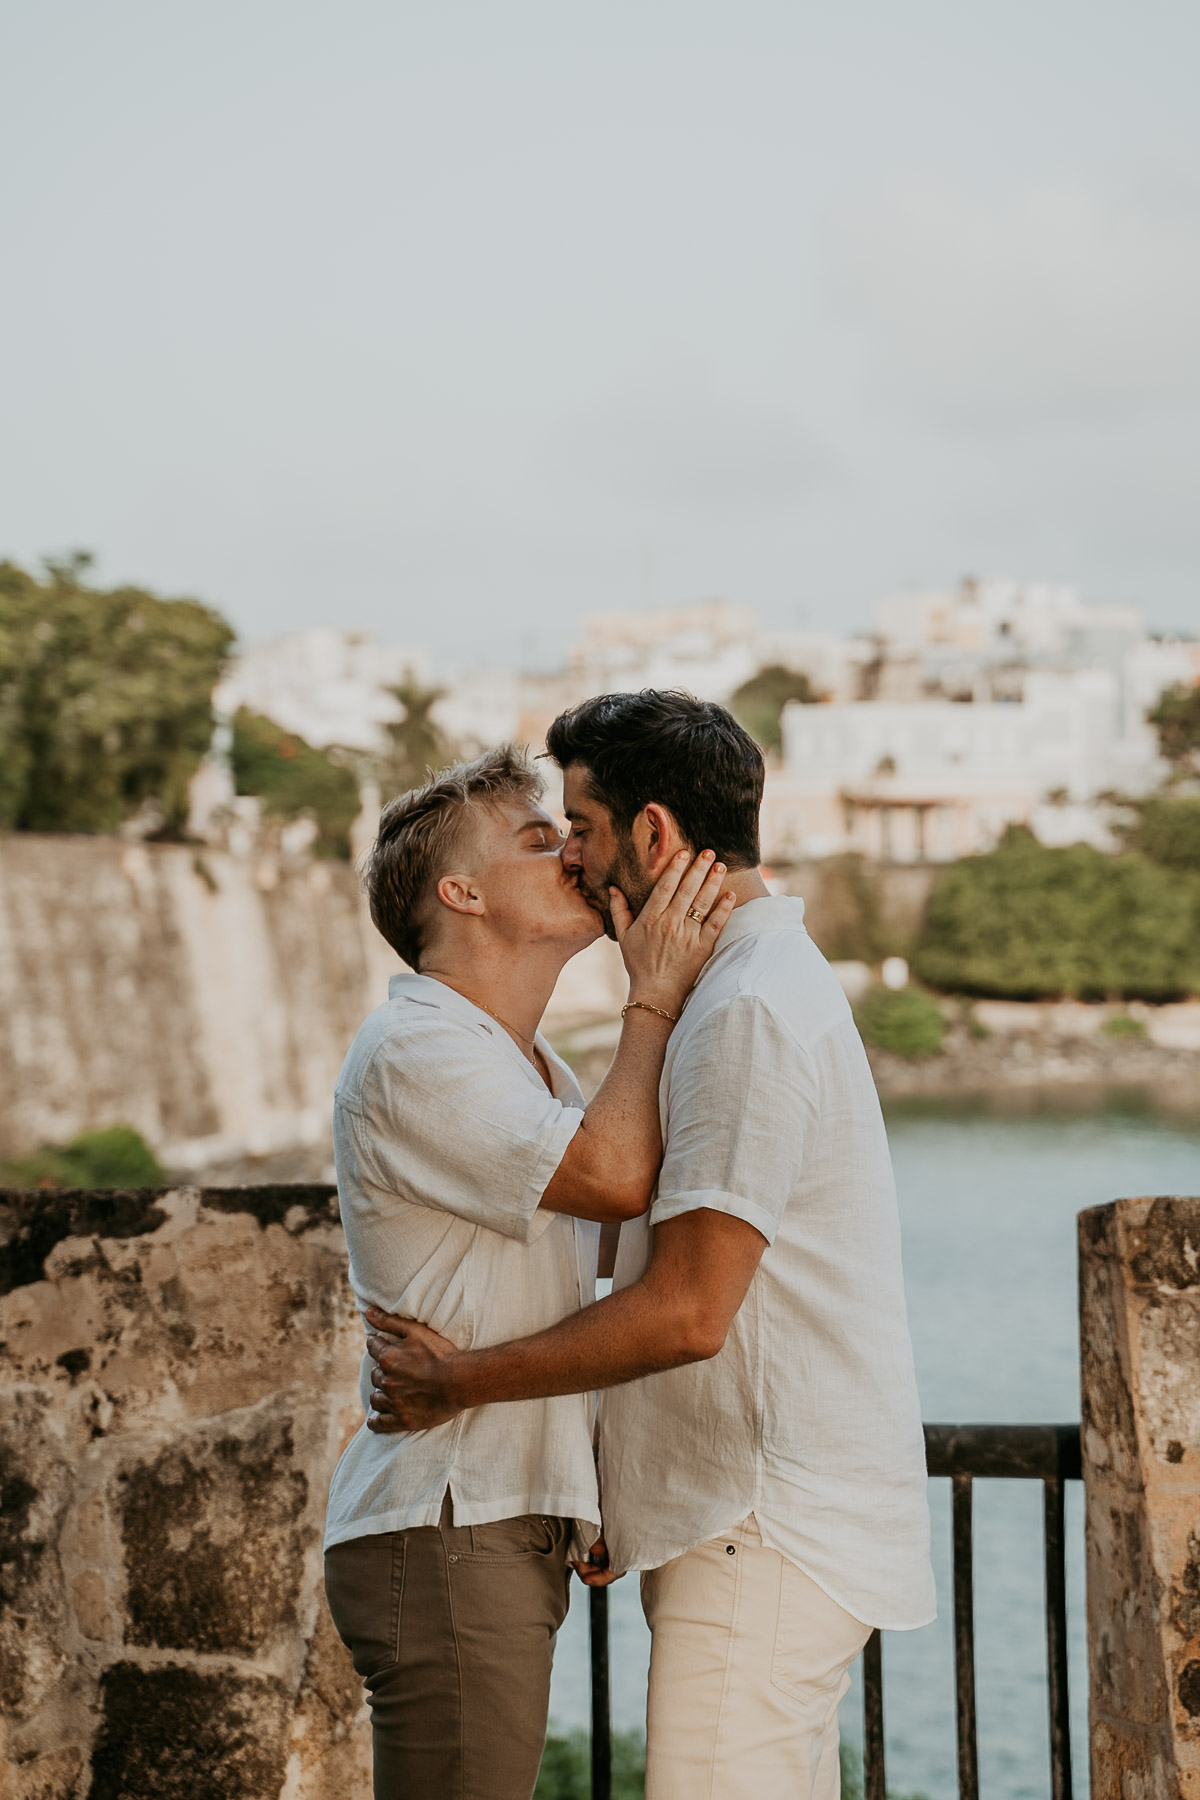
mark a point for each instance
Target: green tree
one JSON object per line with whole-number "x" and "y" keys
{"x": 416, "y": 743}
{"x": 758, "y": 704}
{"x": 1176, "y": 718}
{"x": 291, "y": 778}
{"x": 105, "y": 699}
{"x": 1033, "y": 923}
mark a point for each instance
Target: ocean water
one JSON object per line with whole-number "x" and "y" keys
{"x": 988, "y": 1199}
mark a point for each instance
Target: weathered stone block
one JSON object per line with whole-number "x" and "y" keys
{"x": 178, "y": 1375}
{"x": 180, "y": 1733}
{"x": 1139, "y": 1271}
{"x": 212, "y": 1532}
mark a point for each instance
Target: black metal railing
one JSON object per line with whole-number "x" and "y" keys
{"x": 966, "y": 1453}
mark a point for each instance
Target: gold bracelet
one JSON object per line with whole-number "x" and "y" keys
{"x": 641, "y": 1006}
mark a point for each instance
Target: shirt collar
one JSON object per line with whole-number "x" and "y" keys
{"x": 424, "y": 990}
{"x": 771, "y": 912}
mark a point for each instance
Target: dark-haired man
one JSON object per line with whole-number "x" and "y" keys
{"x": 761, "y": 1451}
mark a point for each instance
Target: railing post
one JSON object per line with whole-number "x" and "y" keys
{"x": 964, "y": 1639}
{"x": 601, "y": 1707}
{"x": 1056, "y": 1642}
{"x": 874, "y": 1766}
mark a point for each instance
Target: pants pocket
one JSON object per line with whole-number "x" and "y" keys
{"x": 510, "y": 1540}
{"x": 364, "y": 1582}
{"x": 816, "y": 1640}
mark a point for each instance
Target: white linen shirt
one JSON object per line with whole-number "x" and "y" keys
{"x": 445, "y": 1138}
{"x": 808, "y": 1417}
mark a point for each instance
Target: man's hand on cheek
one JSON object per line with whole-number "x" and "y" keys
{"x": 410, "y": 1383}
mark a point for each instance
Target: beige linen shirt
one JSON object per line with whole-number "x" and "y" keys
{"x": 445, "y": 1139}
{"x": 808, "y": 1417}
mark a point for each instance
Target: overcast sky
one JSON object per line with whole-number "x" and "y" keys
{"x": 457, "y": 321}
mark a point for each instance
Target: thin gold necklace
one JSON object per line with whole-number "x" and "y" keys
{"x": 498, "y": 1019}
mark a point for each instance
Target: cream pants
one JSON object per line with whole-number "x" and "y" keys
{"x": 749, "y": 1660}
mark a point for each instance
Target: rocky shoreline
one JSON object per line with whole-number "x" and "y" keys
{"x": 1033, "y": 1059}
{"x": 1030, "y": 1051}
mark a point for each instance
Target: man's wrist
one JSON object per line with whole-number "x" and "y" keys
{"x": 654, "y": 999}
{"x": 457, "y": 1375}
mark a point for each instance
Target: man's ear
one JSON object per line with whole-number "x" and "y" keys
{"x": 460, "y": 895}
{"x": 656, "y": 838}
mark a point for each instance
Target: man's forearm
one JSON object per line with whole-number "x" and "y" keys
{"x": 618, "y": 1339}
{"x": 679, "y": 1312}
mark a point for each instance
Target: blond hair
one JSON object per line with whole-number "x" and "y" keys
{"x": 422, "y": 831}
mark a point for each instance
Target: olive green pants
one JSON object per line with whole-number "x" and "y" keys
{"x": 452, "y": 1629}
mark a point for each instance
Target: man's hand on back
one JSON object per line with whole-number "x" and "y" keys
{"x": 410, "y": 1386}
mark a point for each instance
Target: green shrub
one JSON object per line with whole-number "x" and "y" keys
{"x": 566, "y": 1771}
{"x": 1166, "y": 828}
{"x": 117, "y": 1157}
{"x": 291, "y": 777}
{"x": 1030, "y": 923}
{"x": 903, "y": 1020}
{"x": 1122, "y": 1026}
{"x": 852, "y": 1776}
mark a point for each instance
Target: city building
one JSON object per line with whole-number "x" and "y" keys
{"x": 964, "y": 711}
{"x": 932, "y": 780}
{"x": 328, "y": 686}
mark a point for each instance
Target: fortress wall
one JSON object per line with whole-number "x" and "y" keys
{"x": 203, "y": 998}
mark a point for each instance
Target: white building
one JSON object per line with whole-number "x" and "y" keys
{"x": 890, "y": 764}
{"x": 935, "y": 779}
{"x": 1002, "y": 618}
{"x": 481, "y": 710}
{"x": 328, "y": 686}
{"x": 1155, "y": 664}
{"x": 709, "y": 649}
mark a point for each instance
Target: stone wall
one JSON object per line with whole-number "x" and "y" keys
{"x": 178, "y": 1374}
{"x": 831, "y": 912}
{"x": 206, "y": 999}
{"x": 1140, "y": 1333}
{"x": 202, "y": 997}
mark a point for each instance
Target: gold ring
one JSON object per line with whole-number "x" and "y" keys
{"x": 692, "y": 913}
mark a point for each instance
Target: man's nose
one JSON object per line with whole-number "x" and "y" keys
{"x": 572, "y": 860}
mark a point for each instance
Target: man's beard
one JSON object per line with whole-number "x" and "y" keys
{"x": 623, "y": 872}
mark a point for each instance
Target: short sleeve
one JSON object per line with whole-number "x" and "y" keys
{"x": 741, "y": 1105}
{"x": 447, "y": 1120}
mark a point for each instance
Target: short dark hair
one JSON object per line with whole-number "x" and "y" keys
{"x": 422, "y": 831}
{"x": 688, "y": 755}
